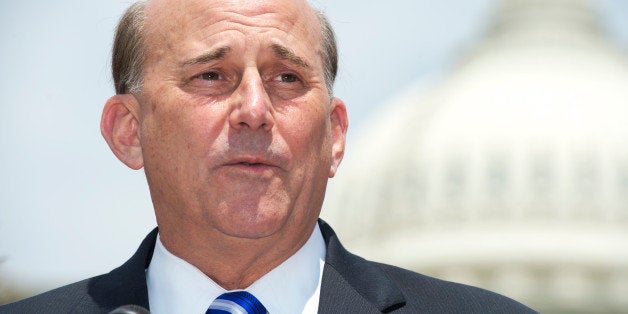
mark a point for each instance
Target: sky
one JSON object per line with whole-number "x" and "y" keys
{"x": 69, "y": 209}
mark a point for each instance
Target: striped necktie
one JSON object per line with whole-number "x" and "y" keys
{"x": 237, "y": 302}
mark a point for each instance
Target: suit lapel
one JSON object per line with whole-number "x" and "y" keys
{"x": 351, "y": 284}
{"x": 126, "y": 284}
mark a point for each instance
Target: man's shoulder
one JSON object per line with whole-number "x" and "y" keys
{"x": 124, "y": 285}
{"x": 72, "y": 298}
{"x": 385, "y": 288}
{"x": 441, "y": 296}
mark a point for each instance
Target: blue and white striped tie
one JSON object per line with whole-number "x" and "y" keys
{"x": 238, "y": 302}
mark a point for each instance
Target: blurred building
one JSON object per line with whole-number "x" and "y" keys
{"x": 511, "y": 173}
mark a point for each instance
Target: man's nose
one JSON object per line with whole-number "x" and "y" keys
{"x": 252, "y": 107}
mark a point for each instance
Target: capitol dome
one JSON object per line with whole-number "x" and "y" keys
{"x": 510, "y": 173}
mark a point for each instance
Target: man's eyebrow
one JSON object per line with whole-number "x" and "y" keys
{"x": 215, "y": 54}
{"x": 287, "y": 54}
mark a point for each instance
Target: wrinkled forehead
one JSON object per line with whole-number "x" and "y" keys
{"x": 172, "y": 20}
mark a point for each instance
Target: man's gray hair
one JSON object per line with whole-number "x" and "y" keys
{"x": 330, "y": 51}
{"x": 128, "y": 54}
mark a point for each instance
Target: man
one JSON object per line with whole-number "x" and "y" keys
{"x": 228, "y": 107}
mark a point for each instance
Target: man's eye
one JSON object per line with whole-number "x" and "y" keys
{"x": 210, "y": 76}
{"x": 287, "y": 78}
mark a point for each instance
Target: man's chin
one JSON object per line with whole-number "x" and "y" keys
{"x": 254, "y": 229}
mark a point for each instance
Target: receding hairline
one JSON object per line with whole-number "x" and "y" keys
{"x": 132, "y": 77}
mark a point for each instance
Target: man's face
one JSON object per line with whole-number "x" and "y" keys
{"x": 237, "y": 129}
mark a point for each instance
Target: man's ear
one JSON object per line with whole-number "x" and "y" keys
{"x": 119, "y": 126}
{"x": 339, "y": 125}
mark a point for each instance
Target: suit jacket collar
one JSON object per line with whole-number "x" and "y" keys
{"x": 126, "y": 284}
{"x": 350, "y": 284}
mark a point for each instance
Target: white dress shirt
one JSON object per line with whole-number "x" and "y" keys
{"x": 176, "y": 286}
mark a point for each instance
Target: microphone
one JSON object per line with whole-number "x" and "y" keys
{"x": 130, "y": 309}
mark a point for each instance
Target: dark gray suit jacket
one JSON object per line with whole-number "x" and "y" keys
{"x": 350, "y": 285}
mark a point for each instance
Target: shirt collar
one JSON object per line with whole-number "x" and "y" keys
{"x": 176, "y": 286}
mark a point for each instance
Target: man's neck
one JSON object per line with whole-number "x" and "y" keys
{"x": 234, "y": 263}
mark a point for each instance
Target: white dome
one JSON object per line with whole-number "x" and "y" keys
{"x": 511, "y": 173}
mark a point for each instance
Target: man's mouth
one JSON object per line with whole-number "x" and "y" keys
{"x": 251, "y": 163}
{"x": 254, "y": 164}
{"x": 251, "y": 166}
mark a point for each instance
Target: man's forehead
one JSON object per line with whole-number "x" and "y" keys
{"x": 186, "y": 25}
{"x": 194, "y": 8}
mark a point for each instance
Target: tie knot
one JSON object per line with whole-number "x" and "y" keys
{"x": 237, "y": 302}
